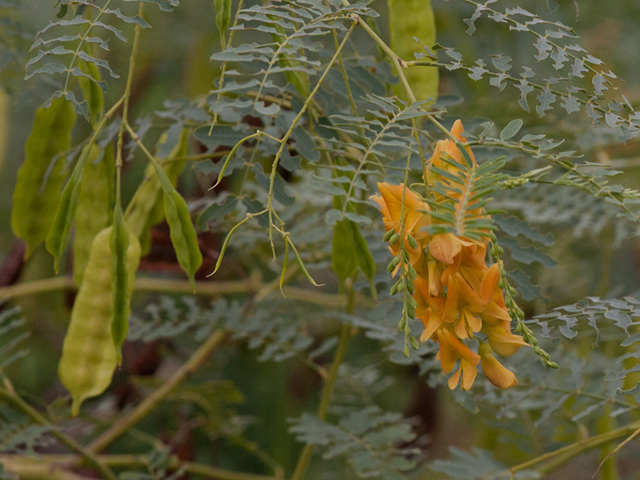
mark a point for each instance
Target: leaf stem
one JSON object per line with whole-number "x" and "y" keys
{"x": 289, "y": 132}
{"x": 327, "y": 390}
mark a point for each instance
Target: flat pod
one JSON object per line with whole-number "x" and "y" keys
{"x": 88, "y": 353}
{"x": 35, "y": 200}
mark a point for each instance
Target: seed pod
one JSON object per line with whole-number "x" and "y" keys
{"x": 183, "y": 235}
{"x": 223, "y": 18}
{"x": 146, "y": 207}
{"x": 91, "y": 90}
{"x": 88, "y": 353}
{"x": 119, "y": 280}
{"x": 409, "y": 19}
{"x": 35, "y": 200}
{"x": 60, "y": 232}
{"x": 95, "y": 206}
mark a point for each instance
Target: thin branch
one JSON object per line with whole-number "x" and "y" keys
{"x": 150, "y": 403}
{"x": 89, "y": 457}
{"x": 50, "y": 467}
{"x": 571, "y": 451}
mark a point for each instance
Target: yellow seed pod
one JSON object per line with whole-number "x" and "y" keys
{"x": 88, "y": 353}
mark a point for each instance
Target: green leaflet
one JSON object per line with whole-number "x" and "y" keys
{"x": 120, "y": 279}
{"x": 409, "y": 19}
{"x": 350, "y": 251}
{"x": 91, "y": 90}
{"x": 183, "y": 234}
{"x": 60, "y": 232}
{"x": 297, "y": 78}
{"x": 95, "y": 206}
{"x": 223, "y": 18}
{"x": 146, "y": 207}
{"x": 34, "y": 201}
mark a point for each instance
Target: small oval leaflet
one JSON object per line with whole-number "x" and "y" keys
{"x": 512, "y": 128}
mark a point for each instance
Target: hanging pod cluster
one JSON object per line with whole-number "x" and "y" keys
{"x": 107, "y": 241}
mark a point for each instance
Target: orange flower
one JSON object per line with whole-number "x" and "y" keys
{"x": 450, "y": 149}
{"x": 464, "y": 305}
{"x": 502, "y": 341}
{"x": 416, "y": 217}
{"x": 452, "y": 349}
{"x": 446, "y": 246}
{"x": 495, "y": 372}
{"x": 470, "y": 264}
{"x": 495, "y": 311}
{"x": 429, "y": 309}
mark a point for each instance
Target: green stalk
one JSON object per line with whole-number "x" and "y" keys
{"x": 327, "y": 390}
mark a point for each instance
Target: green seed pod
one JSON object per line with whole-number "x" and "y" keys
{"x": 394, "y": 239}
{"x": 409, "y": 19}
{"x": 120, "y": 280}
{"x": 95, "y": 206}
{"x": 146, "y": 207}
{"x": 223, "y": 18}
{"x": 410, "y": 287}
{"x": 183, "y": 235}
{"x": 91, "y": 91}
{"x": 60, "y": 232}
{"x": 88, "y": 353}
{"x": 34, "y": 200}
{"x": 412, "y": 241}
{"x": 388, "y": 235}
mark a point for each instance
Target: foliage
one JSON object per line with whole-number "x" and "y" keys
{"x": 316, "y": 106}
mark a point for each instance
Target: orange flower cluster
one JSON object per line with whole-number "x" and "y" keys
{"x": 457, "y": 294}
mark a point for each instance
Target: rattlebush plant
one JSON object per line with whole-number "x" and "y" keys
{"x": 363, "y": 209}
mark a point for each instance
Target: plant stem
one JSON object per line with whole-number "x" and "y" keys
{"x": 89, "y": 457}
{"x": 289, "y": 132}
{"x": 43, "y": 467}
{"x": 327, "y": 390}
{"x": 181, "y": 286}
{"x": 561, "y": 456}
{"x": 127, "y": 93}
{"x": 150, "y": 403}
